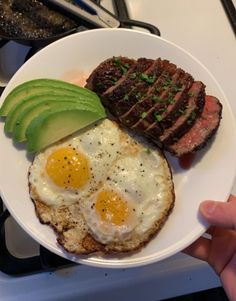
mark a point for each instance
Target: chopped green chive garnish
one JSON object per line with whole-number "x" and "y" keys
{"x": 116, "y": 61}
{"x": 138, "y": 95}
{"x": 126, "y": 97}
{"x": 163, "y": 109}
{"x": 143, "y": 115}
{"x": 170, "y": 98}
{"x": 168, "y": 83}
{"x": 133, "y": 75}
{"x": 148, "y": 79}
{"x": 192, "y": 117}
{"x": 176, "y": 88}
{"x": 182, "y": 111}
{"x": 189, "y": 121}
{"x": 157, "y": 116}
{"x": 156, "y": 99}
{"x": 124, "y": 68}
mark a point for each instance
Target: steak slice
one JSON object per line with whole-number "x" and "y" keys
{"x": 124, "y": 84}
{"x": 175, "y": 100}
{"x": 141, "y": 87}
{"x": 160, "y": 108}
{"x": 202, "y": 130}
{"x": 188, "y": 115}
{"x": 108, "y": 73}
{"x": 146, "y": 102}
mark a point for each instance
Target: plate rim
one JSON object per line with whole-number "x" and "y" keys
{"x": 197, "y": 232}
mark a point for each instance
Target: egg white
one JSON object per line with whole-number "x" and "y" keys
{"x": 140, "y": 179}
{"x": 132, "y": 169}
{"x": 100, "y": 145}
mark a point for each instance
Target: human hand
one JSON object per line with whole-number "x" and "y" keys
{"x": 220, "y": 249}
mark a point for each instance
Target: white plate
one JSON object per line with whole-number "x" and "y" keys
{"x": 210, "y": 178}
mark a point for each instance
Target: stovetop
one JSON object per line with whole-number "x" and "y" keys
{"x": 41, "y": 259}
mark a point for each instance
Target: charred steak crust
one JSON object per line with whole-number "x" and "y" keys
{"x": 147, "y": 101}
{"x": 188, "y": 114}
{"x": 127, "y": 82}
{"x": 108, "y": 73}
{"x": 158, "y": 100}
{"x": 141, "y": 87}
{"x": 170, "y": 100}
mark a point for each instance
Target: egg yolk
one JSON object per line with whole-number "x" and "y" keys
{"x": 112, "y": 207}
{"x": 68, "y": 168}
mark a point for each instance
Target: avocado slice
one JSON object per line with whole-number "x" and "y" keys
{"x": 26, "y": 103}
{"x": 32, "y": 111}
{"x": 42, "y": 85}
{"x": 49, "y": 127}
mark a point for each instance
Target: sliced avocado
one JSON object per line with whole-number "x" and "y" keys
{"x": 42, "y": 85}
{"x": 49, "y": 127}
{"x": 35, "y": 99}
{"x": 27, "y": 115}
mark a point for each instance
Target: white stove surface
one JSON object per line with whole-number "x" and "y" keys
{"x": 202, "y": 28}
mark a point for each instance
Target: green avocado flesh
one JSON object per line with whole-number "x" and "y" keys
{"x": 49, "y": 127}
{"x": 28, "y": 102}
{"x": 27, "y": 115}
{"x": 42, "y": 85}
{"x": 43, "y": 111}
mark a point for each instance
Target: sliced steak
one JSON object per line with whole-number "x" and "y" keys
{"x": 141, "y": 87}
{"x": 176, "y": 97}
{"x": 188, "y": 115}
{"x": 202, "y": 130}
{"x": 139, "y": 109}
{"x": 125, "y": 83}
{"x": 108, "y": 73}
{"x": 155, "y": 113}
{"x": 158, "y": 100}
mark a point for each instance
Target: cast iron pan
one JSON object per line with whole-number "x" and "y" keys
{"x": 37, "y": 43}
{"x": 40, "y": 42}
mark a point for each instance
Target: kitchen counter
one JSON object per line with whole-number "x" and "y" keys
{"x": 202, "y": 28}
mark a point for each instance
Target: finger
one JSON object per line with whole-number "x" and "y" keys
{"x": 232, "y": 198}
{"x": 199, "y": 249}
{"x": 210, "y": 230}
{"x": 228, "y": 278}
{"x": 220, "y": 214}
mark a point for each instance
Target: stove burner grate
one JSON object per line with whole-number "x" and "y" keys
{"x": 12, "y": 265}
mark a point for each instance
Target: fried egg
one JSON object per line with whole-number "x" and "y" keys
{"x": 131, "y": 199}
{"x": 102, "y": 190}
{"x": 73, "y": 168}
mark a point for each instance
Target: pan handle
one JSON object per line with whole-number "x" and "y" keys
{"x": 151, "y": 28}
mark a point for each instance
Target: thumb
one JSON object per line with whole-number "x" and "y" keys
{"x": 220, "y": 214}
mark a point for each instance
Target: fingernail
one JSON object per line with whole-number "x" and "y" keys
{"x": 208, "y": 207}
